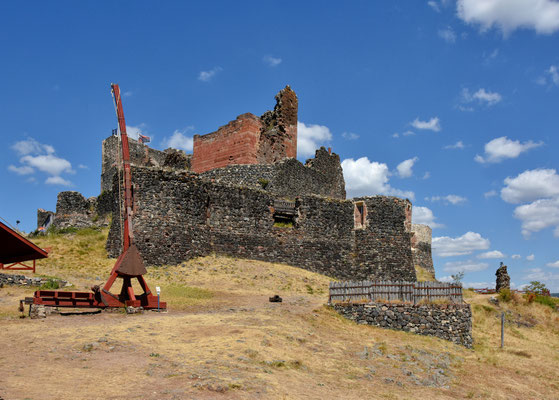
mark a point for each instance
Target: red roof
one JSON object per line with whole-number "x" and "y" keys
{"x": 15, "y": 248}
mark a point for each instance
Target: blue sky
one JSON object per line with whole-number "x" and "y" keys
{"x": 453, "y": 104}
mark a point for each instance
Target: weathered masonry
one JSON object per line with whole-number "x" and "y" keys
{"x": 180, "y": 216}
{"x": 421, "y": 247}
{"x": 243, "y": 193}
{"x": 250, "y": 139}
{"x": 451, "y": 322}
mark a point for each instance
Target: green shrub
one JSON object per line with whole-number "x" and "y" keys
{"x": 505, "y": 295}
{"x": 51, "y": 284}
{"x": 547, "y": 301}
{"x": 263, "y": 182}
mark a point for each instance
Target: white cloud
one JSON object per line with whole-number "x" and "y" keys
{"x": 82, "y": 166}
{"x": 491, "y": 193}
{"x": 553, "y": 264}
{"x": 465, "y": 266}
{"x": 366, "y": 178}
{"x": 23, "y": 170}
{"x": 49, "y": 163}
{"x": 406, "y": 133}
{"x": 502, "y": 148}
{"x": 426, "y": 175}
{"x": 433, "y": 124}
{"x": 481, "y": 96}
{"x": 179, "y": 140}
{"x": 423, "y": 215}
{"x": 135, "y": 131}
{"x": 38, "y": 156}
{"x": 447, "y": 35}
{"x": 531, "y": 185}
{"x": 550, "y": 279}
{"x": 311, "y": 137}
{"x": 457, "y": 145}
{"x": 405, "y": 167}
{"x": 491, "y": 254}
{"x": 434, "y": 5}
{"x": 445, "y": 246}
{"x": 516, "y": 256}
{"x": 272, "y": 61}
{"x": 206, "y": 76}
{"x": 540, "y": 214}
{"x": 554, "y": 74}
{"x": 57, "y": 180}
{"x": 451, "y": 198}
{"x": 508, "y": 15}
{"x": 479, "y": 285}
{"x": 540, "y": 189}
{"x": 531, "y": 257}
{"x": 350, "y": 136}
{"x": 31, "y": 146}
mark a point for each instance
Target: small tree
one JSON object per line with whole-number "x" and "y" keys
{"x": 536, "y": 287}
{"x": 457, "y": 278}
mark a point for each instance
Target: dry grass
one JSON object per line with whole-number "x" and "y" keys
{"x": 223, "y": 339}
{"x": 423, "y": 275}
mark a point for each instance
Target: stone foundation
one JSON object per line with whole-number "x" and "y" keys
{"x": 451, "y": 322}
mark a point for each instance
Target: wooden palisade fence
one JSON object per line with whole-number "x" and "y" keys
{"x": 389, "y": 291}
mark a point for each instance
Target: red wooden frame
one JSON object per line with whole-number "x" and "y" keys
{"x": 23, "y": 268}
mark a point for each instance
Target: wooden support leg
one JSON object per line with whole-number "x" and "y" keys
{"x": 110, "y": 282}
{"x": 144, "y": 285}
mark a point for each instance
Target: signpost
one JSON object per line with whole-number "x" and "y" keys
{"x": 158, "y": 290}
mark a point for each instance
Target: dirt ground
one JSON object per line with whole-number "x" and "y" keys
{"x": 223, "y": 339}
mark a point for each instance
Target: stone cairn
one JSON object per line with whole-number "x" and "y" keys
{"x": 503, "y": 278}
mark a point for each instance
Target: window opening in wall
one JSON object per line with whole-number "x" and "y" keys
{"x": 284, "y": 214}
{"x": 360, "y": 212}
{"x": 284, "y": 221}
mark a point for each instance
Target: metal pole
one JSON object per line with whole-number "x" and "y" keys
{"x": 502, "y": 329}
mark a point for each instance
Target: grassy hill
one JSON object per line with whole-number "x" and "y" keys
{"x": 222, "y": 339}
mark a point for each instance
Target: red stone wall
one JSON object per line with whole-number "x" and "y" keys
{"x": 234, "y": 143}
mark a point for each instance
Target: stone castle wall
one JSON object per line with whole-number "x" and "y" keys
{"x": 74, "y": 210}
{"x": 179, "y": 216}
{"x": 140, "y": 155}
{"x": 321, "y": 176}
{"x": 421, "y": 247}
{"x": 451, "y": 322}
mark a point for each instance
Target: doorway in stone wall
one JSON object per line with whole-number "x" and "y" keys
{"x": 359, "y": 214}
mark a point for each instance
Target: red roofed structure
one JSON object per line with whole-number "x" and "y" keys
{"x": 14, "y": 249}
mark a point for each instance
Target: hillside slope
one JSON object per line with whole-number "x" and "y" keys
{"x": 222, "y": 339}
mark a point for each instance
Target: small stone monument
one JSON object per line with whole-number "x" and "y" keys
{"x": 503, "y": 278}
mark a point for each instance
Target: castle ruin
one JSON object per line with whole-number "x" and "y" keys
{"x": 243, "y": 193}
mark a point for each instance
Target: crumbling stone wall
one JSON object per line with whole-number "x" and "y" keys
{"x": 234, "y": 143}
{"x": 140, "y": 155}
{"x": 74, "y": 210}
{"x": 22, "y": 280}
{"x": 421, "y": 247}
{"x": 321, "y": 175}
{"x": 503, "y": 278}
{"x": 451, "y": 322}
{"x": 179, "y": 216}
{"x": 250, "y": 139}
{"x": 278, "y": 139}
{"x": 43, "y": 217}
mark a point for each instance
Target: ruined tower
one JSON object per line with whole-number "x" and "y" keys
{"x": 250, "y": 139}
